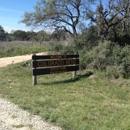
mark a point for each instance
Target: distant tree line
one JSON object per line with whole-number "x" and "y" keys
{"x": 39, "y": 36}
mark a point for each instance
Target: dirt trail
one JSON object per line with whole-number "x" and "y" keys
{"x": 9, "y": 60}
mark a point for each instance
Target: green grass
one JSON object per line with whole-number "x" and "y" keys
{"x": 15, "y": 48}
{"x": 85, "y": 103}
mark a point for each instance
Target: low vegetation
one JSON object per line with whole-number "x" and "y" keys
{"x": 91, "y": 101}
{"x": 14, "y": 48}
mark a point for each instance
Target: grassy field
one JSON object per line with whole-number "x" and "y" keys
{"x": 90, "y": 102}
{"x": 15, "y": 48}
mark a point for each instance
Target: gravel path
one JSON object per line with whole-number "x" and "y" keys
{"x": 14, "y": 118}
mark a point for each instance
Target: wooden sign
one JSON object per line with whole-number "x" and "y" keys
{"x": 50, "y": 64}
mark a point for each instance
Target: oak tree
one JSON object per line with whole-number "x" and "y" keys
{"x": 111, "y": 19}
{"x": 58, "y": 14}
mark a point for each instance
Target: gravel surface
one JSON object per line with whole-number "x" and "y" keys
{"x": 14, "y": 118}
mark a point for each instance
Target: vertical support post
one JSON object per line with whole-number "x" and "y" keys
{"x": 74, "y": 74}
{"x": 34, "y": 78}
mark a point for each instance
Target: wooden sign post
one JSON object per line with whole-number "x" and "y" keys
{"x": 50, "y": 64}
{"x": 34, "y": 76}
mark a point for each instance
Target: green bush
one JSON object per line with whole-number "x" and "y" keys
{"x": 111, "y": 58}
{"x": 55, "y": 46}
{"x": 114, "y": 71}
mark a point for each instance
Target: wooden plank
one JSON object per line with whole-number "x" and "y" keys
{"x": 60, "y": 62}
{"x": 55, "y": 70}
{"x": 36, "y": 57}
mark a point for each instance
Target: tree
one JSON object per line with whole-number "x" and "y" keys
{"x": 2, "y": 34}
{"x": 60, "y": 35}
{"x": 30, "y": 35}
{"x": 112, "y": 19}
{"x": 42, "y": 36}
{"x": 58, "y": 14}
{"x": 20, "y": 35}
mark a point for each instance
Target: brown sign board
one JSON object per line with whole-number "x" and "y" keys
{"x": 38, "y": 57}
{"x": 50, "y": 64}
{"x": 58, "y": 62}
{"x": 53, "y": 70}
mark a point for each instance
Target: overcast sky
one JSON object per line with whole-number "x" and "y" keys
{"x": 12, "y": 11}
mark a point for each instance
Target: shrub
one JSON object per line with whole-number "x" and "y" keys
{"x": 111, "y": 58}
{"x": 55, "y": 46}
{"x": 114, "y": 71}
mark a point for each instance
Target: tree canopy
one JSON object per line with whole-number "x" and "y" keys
{"x": 20, "y": 35}
{"x": 2, "y": 33}
{"x": 58, "y": 14}
{"x": 112, "y": 19}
